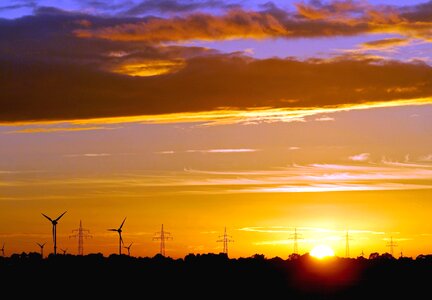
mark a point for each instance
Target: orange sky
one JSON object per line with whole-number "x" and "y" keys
{"x": 263, "y": 119}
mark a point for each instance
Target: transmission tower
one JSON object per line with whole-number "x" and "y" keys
{"x": 392, "y": 245}
{"x": 295, "y": 237}
{"x": 81, "y": 233}
{"x": 162, "y": 236}
{"x": 225, "y": 239}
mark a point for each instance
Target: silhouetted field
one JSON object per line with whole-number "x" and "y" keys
{"x": 208, "y": 276}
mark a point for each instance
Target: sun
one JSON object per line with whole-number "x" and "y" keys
{"x": 322, "y": 251}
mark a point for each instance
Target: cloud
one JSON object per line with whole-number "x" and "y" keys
{"x": 166, "y": 152}
{"x": 333, "y": 10}
{"x": 386, "y": 43}
{"x": 206, "y": 84}
{"x": 122, "y": 67}
{"x": 324, "y": 119}
{"x": 245, "y": 150}
{"x": 236, "y": 150}
{"x": 175, "y": 6}
{"x": 88, "y": 155}
{"x": 293, "y": 179}
{"x": 19, "y": 4}
{"x": 311, "y": 19}
{"x": 426, "y": 158}
{"x": 360, "y": 157}
{"x": 57, "y": 129}
{"x": 234, "y": 24}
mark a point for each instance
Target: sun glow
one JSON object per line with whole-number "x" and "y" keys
{"x": 322, "y": 251}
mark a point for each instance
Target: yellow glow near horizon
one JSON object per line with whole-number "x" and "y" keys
{"x": 322, "y": 251}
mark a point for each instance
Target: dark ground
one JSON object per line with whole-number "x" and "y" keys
{"x": 209, "y": 276}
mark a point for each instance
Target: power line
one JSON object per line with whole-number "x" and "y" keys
{"x": 81, "y": 233}
{"x": 295, "y": 237}
{"x": 162, "y": 236}
{"x": 392, "y": 245}
{"x": 225, "y": 240}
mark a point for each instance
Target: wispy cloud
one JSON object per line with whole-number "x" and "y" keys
{"x": 360, "y": 157}
{"x": 386, "y": 43}
{"x": 324, "y": 119}
{"x": 291, "y": 179}
{"x": 427, "y": 157}
{"x": 166, "y": 152}
{"x": 57, "y": 129}
{"x": 221, "y": 150}
{"x": 239, "y": 150}
{"x": 88, "y": 155}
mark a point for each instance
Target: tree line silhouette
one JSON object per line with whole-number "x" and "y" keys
{"x": 205, "y": 276}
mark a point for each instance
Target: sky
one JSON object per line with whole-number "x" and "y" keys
{"x": 262, "y": 117}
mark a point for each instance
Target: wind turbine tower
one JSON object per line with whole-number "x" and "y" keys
{"x": 162, "y": 236}
{"x": 41, "y": 247}
{"x": 2, "y": 250}
{"x": 119, "y": 231}
{"x": 128, "y": 248}
{"x": 54, "y": 229}
{"x": 81, "y": 233}
{"x": 225, "y": 239}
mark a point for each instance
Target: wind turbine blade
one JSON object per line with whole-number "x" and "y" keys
{"x": 47, "y": 217}
{"x": 112, "y": 229}
{"x": 121, "y": 239}
{"x": 122, "y": 223}
{"x": 60, "y": 216}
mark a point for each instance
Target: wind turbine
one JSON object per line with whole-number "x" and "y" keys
{"x": 2, "y": 250}
{"x": 41, "y": 246}
{"x": 119, "y": 230}
{"x": 54, "y": 230}
{"x": 128, "y": 248}
{"x": 64, "y": 251}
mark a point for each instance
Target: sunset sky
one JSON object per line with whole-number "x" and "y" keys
{"x": 259, "y": 116}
